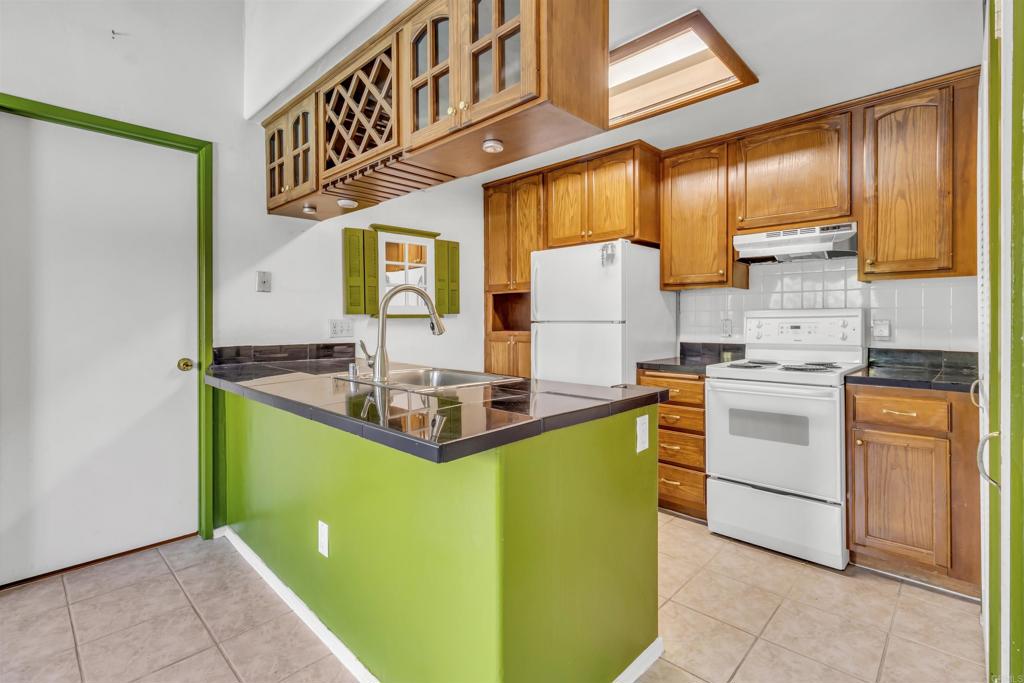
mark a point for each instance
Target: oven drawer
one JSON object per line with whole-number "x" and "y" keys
{"x": 680, "y": 448}
{"x": 680, "y": 486}
{"x": 685, "y": 391}
{"x": 899, "y": 411}
{"x": 681, "y": 417}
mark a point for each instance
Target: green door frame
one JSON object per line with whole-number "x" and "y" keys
{"x": 203, "y": 150}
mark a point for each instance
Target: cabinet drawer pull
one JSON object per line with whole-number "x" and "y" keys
{"x": 670, "y": 448}
{"x": 670, "y": 418}
{"x": 898, "y": 412}
{"x": 669, "y": 481}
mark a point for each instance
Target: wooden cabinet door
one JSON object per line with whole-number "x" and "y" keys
{"x": 908, "y": 176}
{"x": 611, "y": 196}
{"x": 695, "y": 245}
{"x": 521, "y": 357}
{"x": 430, "y": 73}
{"x": 497, "y": 238}
{"x": 793, "y": 174}
{"x": 301, "y": 136}
{"x": 566, "y": 202}
{"x": 527, "y": 234}
{"x": 499, "y": 56}
{"x": 901, "y": 495}
{"x": 276, "y": 162}
{"x": 498, "y": 357}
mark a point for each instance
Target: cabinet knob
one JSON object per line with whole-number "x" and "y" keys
{"x": 287, "y": 187}
{"x": 589, "y": 233}
{"x": 860, "y": 442}
{"x": 721, "y": 272}
{"x": 463, "y": 106}
{"x": 870, "y": 262}
{"x": 451, "y": 110}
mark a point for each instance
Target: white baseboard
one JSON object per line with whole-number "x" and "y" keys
{"x": 630, "y": 675}
{"x": 337, "y": 648}
{"x": 642, "y": 663}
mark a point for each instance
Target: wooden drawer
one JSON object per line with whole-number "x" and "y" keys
{"x": 900, "y": 411}
{"x": 681, "y": 417}
{"x": 680, "y": 448}
{"x": 680, "y": 486}
{"x": 684, "y": 391}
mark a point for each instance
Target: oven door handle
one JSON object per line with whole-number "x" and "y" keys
{"x": 774, "y": 393}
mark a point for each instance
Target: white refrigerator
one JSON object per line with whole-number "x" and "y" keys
{"x": 598, "y": 309}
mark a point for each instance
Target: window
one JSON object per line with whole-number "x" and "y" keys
{"x": 406, "y": 260}
{"x": 677, "y": 64}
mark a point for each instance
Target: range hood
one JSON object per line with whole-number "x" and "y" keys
{"x": 798, "y": 244}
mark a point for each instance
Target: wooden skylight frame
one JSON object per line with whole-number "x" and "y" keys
{"x": 713, "y": 70}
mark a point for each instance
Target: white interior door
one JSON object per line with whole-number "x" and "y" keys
{"x": 98, "y": 428}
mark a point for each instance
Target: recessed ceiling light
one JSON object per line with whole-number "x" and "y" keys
{"x": 348, "y": 203}
{"x": 308, "y": 208}
{"x": 492, "y": 146}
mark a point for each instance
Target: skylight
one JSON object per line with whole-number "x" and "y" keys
{"x": 682, "y": 62}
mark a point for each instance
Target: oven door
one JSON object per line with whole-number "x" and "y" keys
{"x": 780, "y": 436}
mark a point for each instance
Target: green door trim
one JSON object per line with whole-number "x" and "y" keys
{"x": 203, "y": 149}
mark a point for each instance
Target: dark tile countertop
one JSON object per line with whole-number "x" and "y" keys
{"x": 913, "y": 369}
{"x": 438, "y": 425}
{"x": 693, "y": 359}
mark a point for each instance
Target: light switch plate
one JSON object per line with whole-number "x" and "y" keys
{"x": 881, "y": 330}
{"x": 342, "y": 327}
{"x": 321, "y": 538}
{"x": 262, "y": 280}
{"x": 642, "y": 438}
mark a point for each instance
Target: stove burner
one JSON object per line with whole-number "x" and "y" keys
{"x": 753, "y": 361}
{"x": 824, "y": 364}
{"x": 747, "y": 366}
{"x": 809, "y": 367}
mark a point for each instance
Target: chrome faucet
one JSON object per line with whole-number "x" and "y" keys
{"x": 378, "y": 361}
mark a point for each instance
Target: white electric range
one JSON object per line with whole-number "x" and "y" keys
{"x": 775, "y": 433}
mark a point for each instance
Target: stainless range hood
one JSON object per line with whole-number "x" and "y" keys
{"x": 798, "y": 244}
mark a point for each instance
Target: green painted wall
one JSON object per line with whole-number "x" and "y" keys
{"x": 532, "y": 562}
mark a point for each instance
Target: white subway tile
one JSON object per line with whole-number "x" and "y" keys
{"x": 790, "y": 268}
{"x": 836, "y": 265}
{"x": 813, "y": 282}
{"x": 910, "y": 318}
{"x": 771, "y": 284}
{"x": 812, "y": 300}
{"x": 935, "y": 338}
{"x": 852, "y": 282}
{"x": 909, "y": 295}
{"x": 792, "y": 282}
{"x": 937, "y": 316}
{"x": 937, "y": 296}
{"x": 835, "y": 299}
{"x": 834, "y": 280}
{"x": 815, "y": 266}
{"x": 881, "y": 296}
{"x": 774, "y": 301}
{"x": 855, "y": 298}
{"x": 792, "y": 300}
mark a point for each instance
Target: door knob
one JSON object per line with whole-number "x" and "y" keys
{"x": 185, "y": 364}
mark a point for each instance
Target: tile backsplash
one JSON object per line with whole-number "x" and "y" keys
{"x": 933, "y": 313}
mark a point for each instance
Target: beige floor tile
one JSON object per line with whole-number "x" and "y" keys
{"x": 124, "y": 607}
{"x": 34, "y": 636}
{"x": 850, "y": 646}
{"x": 664, "y": 518}
{"x": 58, "y": 668}
{"x": 907, "y": 662}
{"x": 209, "y": 666}
{"x": 195, "y": 550}
{"x": 276, "y": 649}
{"x": 757, "y": 567}
{"x": 673, "y": 572}
{"x": 664, "y": 671}
{"x": 231, "y": 599}
{"x": 855, "y": 594}
{"x": 945, "y": 600}
{"x": 31, "y": 598}
{"x": 326, "y": 670}
{"x": 682, "y": 538}
{"x": 734, "y": 602}
{"x": 703, "y": 646}
{"x": 768, "y": 663}
{"x": 113, "y": 574}
{"x": 144, "y": 648}
{"x": 951, "y": 630}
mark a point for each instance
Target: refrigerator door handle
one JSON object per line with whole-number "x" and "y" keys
{"x": 533, "y": 351}
{"x": 536, "y": 292}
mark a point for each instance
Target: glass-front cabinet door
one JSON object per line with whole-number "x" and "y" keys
{"x": 430, "y": 39}
{"x": 499, "y": 56}
{"x": 274, "y": 146}
{"x": 301, "y": 136}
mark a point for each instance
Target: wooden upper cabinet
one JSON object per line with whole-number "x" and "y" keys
{"x": 499, "y": 52}
{"x": 527, "y": 234}
{"x": 908, "y": 177}
{"x": 695, "y": 248}
{"x": 430, "y": 73}
{"x": 793, "y": 174}
{"x": 901, "y": 495}
{"x": 359, "y": 111}
{"x": 276, "y": 161}
{"x": 566, "y": 204}
{"x": 611, "y": 184}
{"x": 301, "y": 148}
{"x": 497, "y": 237}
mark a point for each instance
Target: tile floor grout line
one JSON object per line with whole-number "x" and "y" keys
{"x": 100, "y": 564}
{"x": 74, "y": 634}
{"x": 195, "y": 610}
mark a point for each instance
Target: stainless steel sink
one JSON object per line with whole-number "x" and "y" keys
{"x": 431, "y": 379}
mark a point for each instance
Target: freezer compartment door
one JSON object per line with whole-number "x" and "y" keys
{"x": 583, "y": 283}
{"x": 587, "y": 353}
{"x": 804, "y": 528}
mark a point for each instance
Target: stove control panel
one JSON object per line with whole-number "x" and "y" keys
{"x": 789, "y": 327}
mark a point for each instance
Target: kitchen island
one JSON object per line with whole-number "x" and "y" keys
{"x": 495, "y": 533}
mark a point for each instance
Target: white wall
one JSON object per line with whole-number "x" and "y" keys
{"x": 936, "y": 313}
{"x": 271, "y": 64}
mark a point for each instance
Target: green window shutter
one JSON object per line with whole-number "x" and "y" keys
{"x": 453, "y": 277}
{"x": 352, "y": 258}
{"x": 372, "y": 271}
{"x": 441, "y": 275}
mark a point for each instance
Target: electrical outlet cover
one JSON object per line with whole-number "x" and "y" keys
{"x": 262, "y": 280}
{"x": 321, "y": 538}
{"x": 642, "y": 439}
